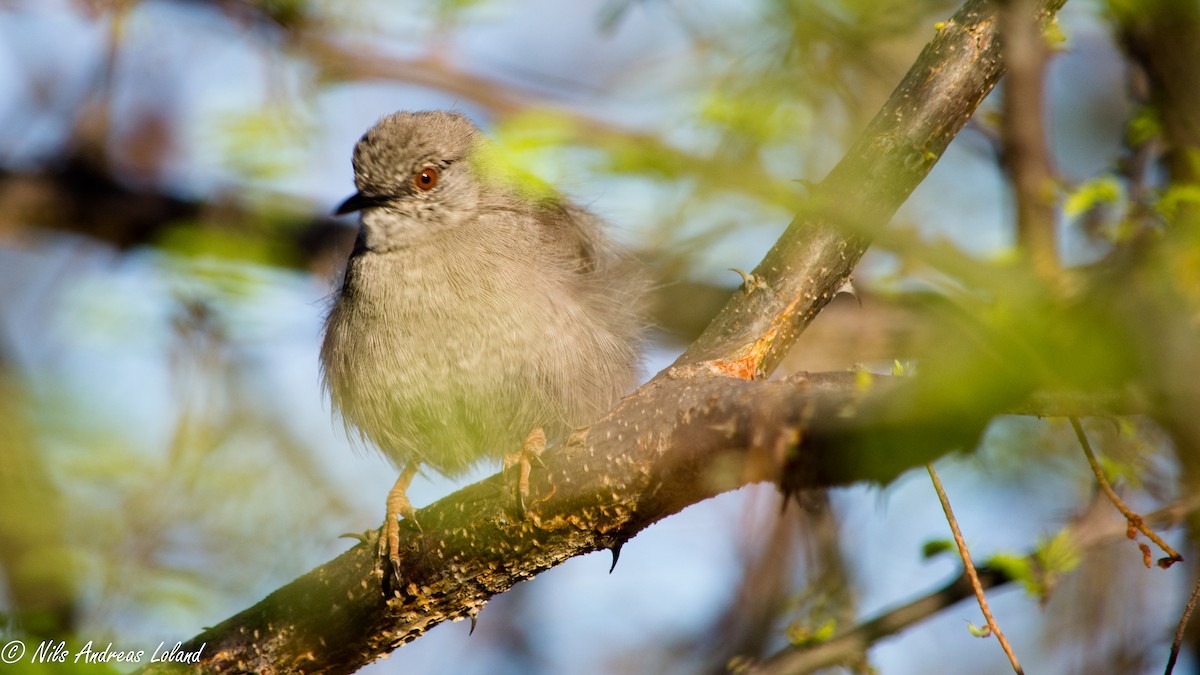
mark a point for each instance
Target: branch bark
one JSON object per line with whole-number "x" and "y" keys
{"x": 702, "y": 427}
{"x": 677, "y": 441}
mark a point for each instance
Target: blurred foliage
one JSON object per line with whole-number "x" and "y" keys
{"x": 264, "y": 144}
{"x": 803, "y": 635}
{"x": 1091, "y": 195}
{"x": 38, "y": 561}
{"x": 1039, "y": 572}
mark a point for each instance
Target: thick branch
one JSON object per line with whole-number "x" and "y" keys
{"x": 675, "y": 442}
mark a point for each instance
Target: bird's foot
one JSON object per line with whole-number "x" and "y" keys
{"x": 389, "y": 535}
{"x": 531, "y": 451}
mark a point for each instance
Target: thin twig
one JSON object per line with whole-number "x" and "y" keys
{"x": 1134, "y": 520}
{"x": 1183, "y": 620}
{"x": 971, "y": 573}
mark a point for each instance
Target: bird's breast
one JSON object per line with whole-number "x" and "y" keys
{"x": 449, "y": 353}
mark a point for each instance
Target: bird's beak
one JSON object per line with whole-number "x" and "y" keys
{"x": 357, "y": 202}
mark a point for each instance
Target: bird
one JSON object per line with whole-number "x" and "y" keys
{"x": 481, "y": 314}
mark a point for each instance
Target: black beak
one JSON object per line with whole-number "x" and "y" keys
{"x": 359, "y": 201}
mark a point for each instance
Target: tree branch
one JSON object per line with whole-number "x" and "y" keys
{"x": 675, "y": 442}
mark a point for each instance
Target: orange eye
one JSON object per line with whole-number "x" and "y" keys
{"x": 426, "y": 178}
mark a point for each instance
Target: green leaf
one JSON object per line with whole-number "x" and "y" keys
{"x": 1017, "y": 568}
{"x": 1055, "y": 37}
{"x": 1091, "y": 194}
{"x": 1058, "y": 554}
{"x": 936, "y": 547}
{"x": 1178, "y": 197}
{"x": 979, "y": 631}
{"x": 1143, "y": 126}
{"x": 803, "y": 635}
{"x": 1039, "y": 573}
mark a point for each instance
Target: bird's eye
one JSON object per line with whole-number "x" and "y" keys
{"x": 426, "y": 178}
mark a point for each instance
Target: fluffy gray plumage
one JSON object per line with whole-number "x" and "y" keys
{"x": 475, "y": 310}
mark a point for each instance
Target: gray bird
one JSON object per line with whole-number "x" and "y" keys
{"x": 480, "y": 312}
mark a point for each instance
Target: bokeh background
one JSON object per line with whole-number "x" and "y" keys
{"x": 167, "y": 170}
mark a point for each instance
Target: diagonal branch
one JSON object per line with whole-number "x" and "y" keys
{"x": 690, "y": 433}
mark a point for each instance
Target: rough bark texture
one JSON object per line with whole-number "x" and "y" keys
{"x": 698, "y": 429}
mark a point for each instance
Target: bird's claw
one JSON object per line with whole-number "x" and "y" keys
{"x": 531, "y": 451}
{"x": 389, "y": 535}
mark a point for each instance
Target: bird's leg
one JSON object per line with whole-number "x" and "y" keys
{"x": 398, "y": 505}
{"x": 530, "y": 450}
